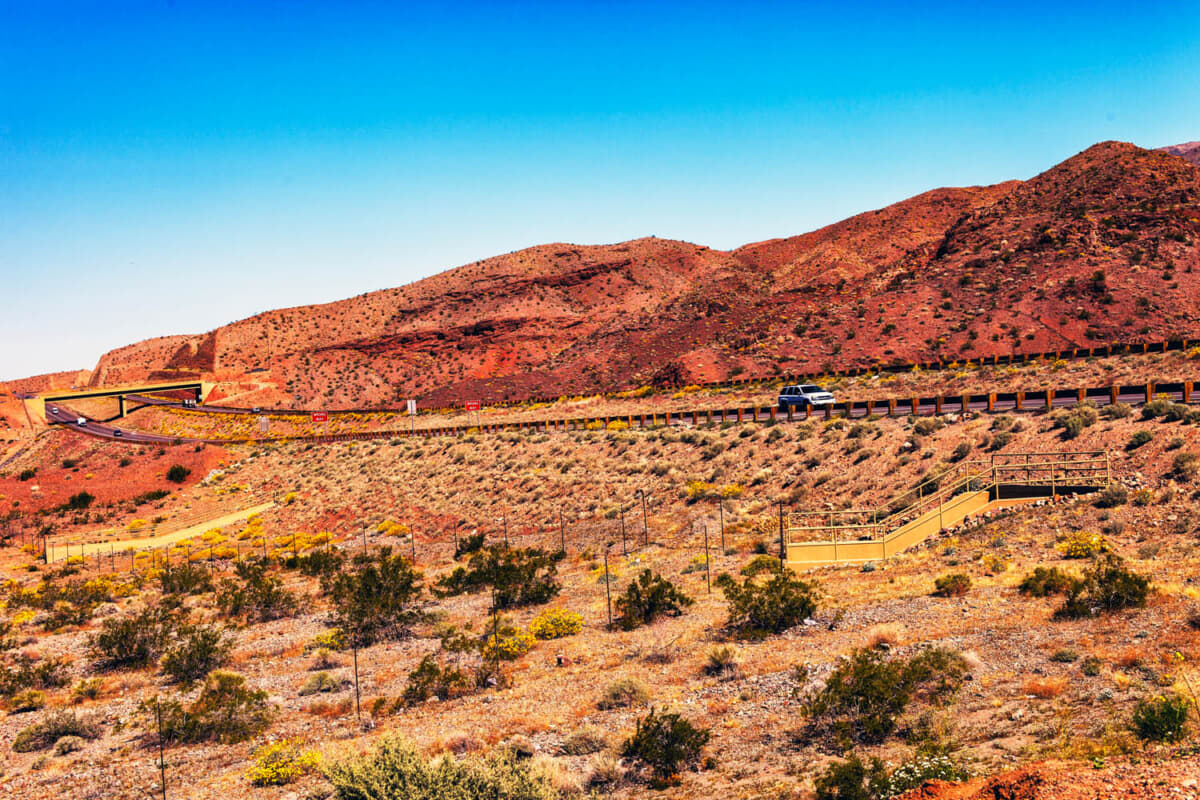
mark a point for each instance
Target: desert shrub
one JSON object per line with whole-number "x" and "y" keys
{"x": 320, "y": 563}
{"x": 78, "y": 502}
{"x": 1091, "y": 666}
{"x": 472, "y": 543}
{"x": 509, "y": 645}
{"x": 69, "y": 744}
{"x": 520, "y": 576}
{"x": 280, "y": 763}
{"x": 723, "y": 661}
{"x": 27, "y": 475}
{"x": 1112, "y": 496}
{"x": 756, "y": 609}
{"x": 373, "y": 599}
{"x": 665, "y": 742}
{"x": 954, "y": 584}
{"x": 25, "y": 673}
{"x": 961, "y": 451}
{"x": 1156, "y": 408}
{"x": 254, "y": 595}
{"x": 852, "y": 779}
{"x": 1161, "y": 719}
{"x": 319, "y": 682}
{"x": 1143, "y": 497}
{"x": 396, "y": 768}
{"x": 56, "y": 725}
{"x": 583, "y": 742}
{"x": 625, "y": 692}
{"x": 178, "y": 473}
{"x": 648, "y": 597}
{"x": 1105, "y": 588}
{"x": 1065, "y": 656}
{"x": 555, "y": 623}
{"x": 196, "y": 651}
{"x": 1116, "y": 411}
{"x": 1073, "y": 422}
{"x": 87, "y": 689}
{"x": 1082, "y": 544}
{"x": 928, "y": 425}
{"x": 1185, "y": 466}
{"x": 185, "y": 578}
{"x": 862, "y": 699}
{"x": 432, "y": 678}
{"x": 1138, "y": 439}
{"x": 226, "y": 711}
{"x": 133, "y": 641}
{"x": 28, "y": 700}
{"x": 760, "y": 564}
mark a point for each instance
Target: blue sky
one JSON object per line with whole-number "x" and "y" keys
{"x": 168, "y": 167}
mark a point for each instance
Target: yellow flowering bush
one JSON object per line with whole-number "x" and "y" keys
{"x": 555, "y": 623}
{"x": 332, "y": 639}
{"x": 281, "y": 762}
{"x": 136, "y": 525}
{"x": 1084, "y": 545}
{"x": 513, "y": 644}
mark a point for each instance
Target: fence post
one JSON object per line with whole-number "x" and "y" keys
{"x": 1049, "y": 399}
{"x": 1149, "y": 392}
{"x": 891, "y": 407}
{"x": 1114, "y": 394}
{"x": 1020, "y": 400}
{"x": 991, "y": 406}
{"x": 1187, "y": 391}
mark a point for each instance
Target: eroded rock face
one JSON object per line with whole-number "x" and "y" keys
{"x": 1101, "y": 247}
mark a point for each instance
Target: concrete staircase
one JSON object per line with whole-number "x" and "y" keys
{"x": 861, "y": 535}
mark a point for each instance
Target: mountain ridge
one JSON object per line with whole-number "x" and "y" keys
{"x": 955, "y": 271}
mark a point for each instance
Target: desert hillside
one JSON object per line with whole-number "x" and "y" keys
{"x": 1102, "y": 247}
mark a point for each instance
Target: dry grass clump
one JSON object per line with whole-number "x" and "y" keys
{"x": 890, "y": 634}
{"x": 1044, "y": 688}
{"x": 623, "y": 693}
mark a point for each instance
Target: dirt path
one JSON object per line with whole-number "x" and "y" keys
{"x": 61, "y": 551}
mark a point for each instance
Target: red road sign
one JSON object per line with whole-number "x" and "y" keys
{"x": 472, "y": 405}
{"x": 320, "y": 416}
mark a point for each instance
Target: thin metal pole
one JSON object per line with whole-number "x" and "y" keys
{"x": 162, "y": 765}
{"x": 412, "y": 537}
{"x": 607, "y": 586}
{"x": 496, "y": 633}
{"x": 364, "y": 538}
{"x": 562, "y": 531}
{"x": 707, "y": 564}
{"x": 782, "y": 548}
{"x": 624, "y": 547}
{"x": 645, "y": 524}
{"x": 357, "y": 702}
{"x": 504, "y": 519}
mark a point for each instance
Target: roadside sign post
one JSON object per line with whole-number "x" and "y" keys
{"x": 264, "y": 424}
{"x": 412, "y": 415}
{"x": 321, "y": 416}
{"x": 473, "y": 405}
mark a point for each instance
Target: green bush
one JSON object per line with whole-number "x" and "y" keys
{"x": 319, "y": 682}
{"x": 432, "y": 678}
{"x": 321, "y": 563}
{"x": 862, "y": 699}
{"x": 954, "y": 584}
{"x": 1161, "y": 719}
{"x": 760, "y": 564}
{"x": 1076, "y": 420}
{"x": 27, "y": 475}
{"x": 25, "y": 673}
{"x": 373, "y": 598}
{"x": 1116, "y": 411}
{"x": 255, "y": 595}
{"x": 1045, "y": 581}
{"x": 1091, "y": 666}
{"x": 226, "y": 711}
{"x": 665, "y": 742}
{"x": 396, "y": 769}
{"x": 1156, "y": 408}
{"x": 648, "y": 597}
{"x": 758, "y": 609}
{"x": 133, "y": 641}
{"x": 468, "y": 544}
{"x": 1105, "y": 588}
{"x": 56, "y": 725}
{"x": 178, "y": 473}
{"x": 185, "y": 578}
{"x": 519, "y": 576}
{"x": 80, "y": 501}
{"x": 1112, "y": 496}
{"x": 1138, "y": 439}
{"x": 196, "y": 651}
{"x": 852, "y": 779}
{"x": 1185, "y": 466}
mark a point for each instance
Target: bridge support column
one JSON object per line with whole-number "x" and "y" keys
{"x": 120, "y": 405}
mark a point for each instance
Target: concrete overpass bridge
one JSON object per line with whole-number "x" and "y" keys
{"x": 199, "y": 389}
